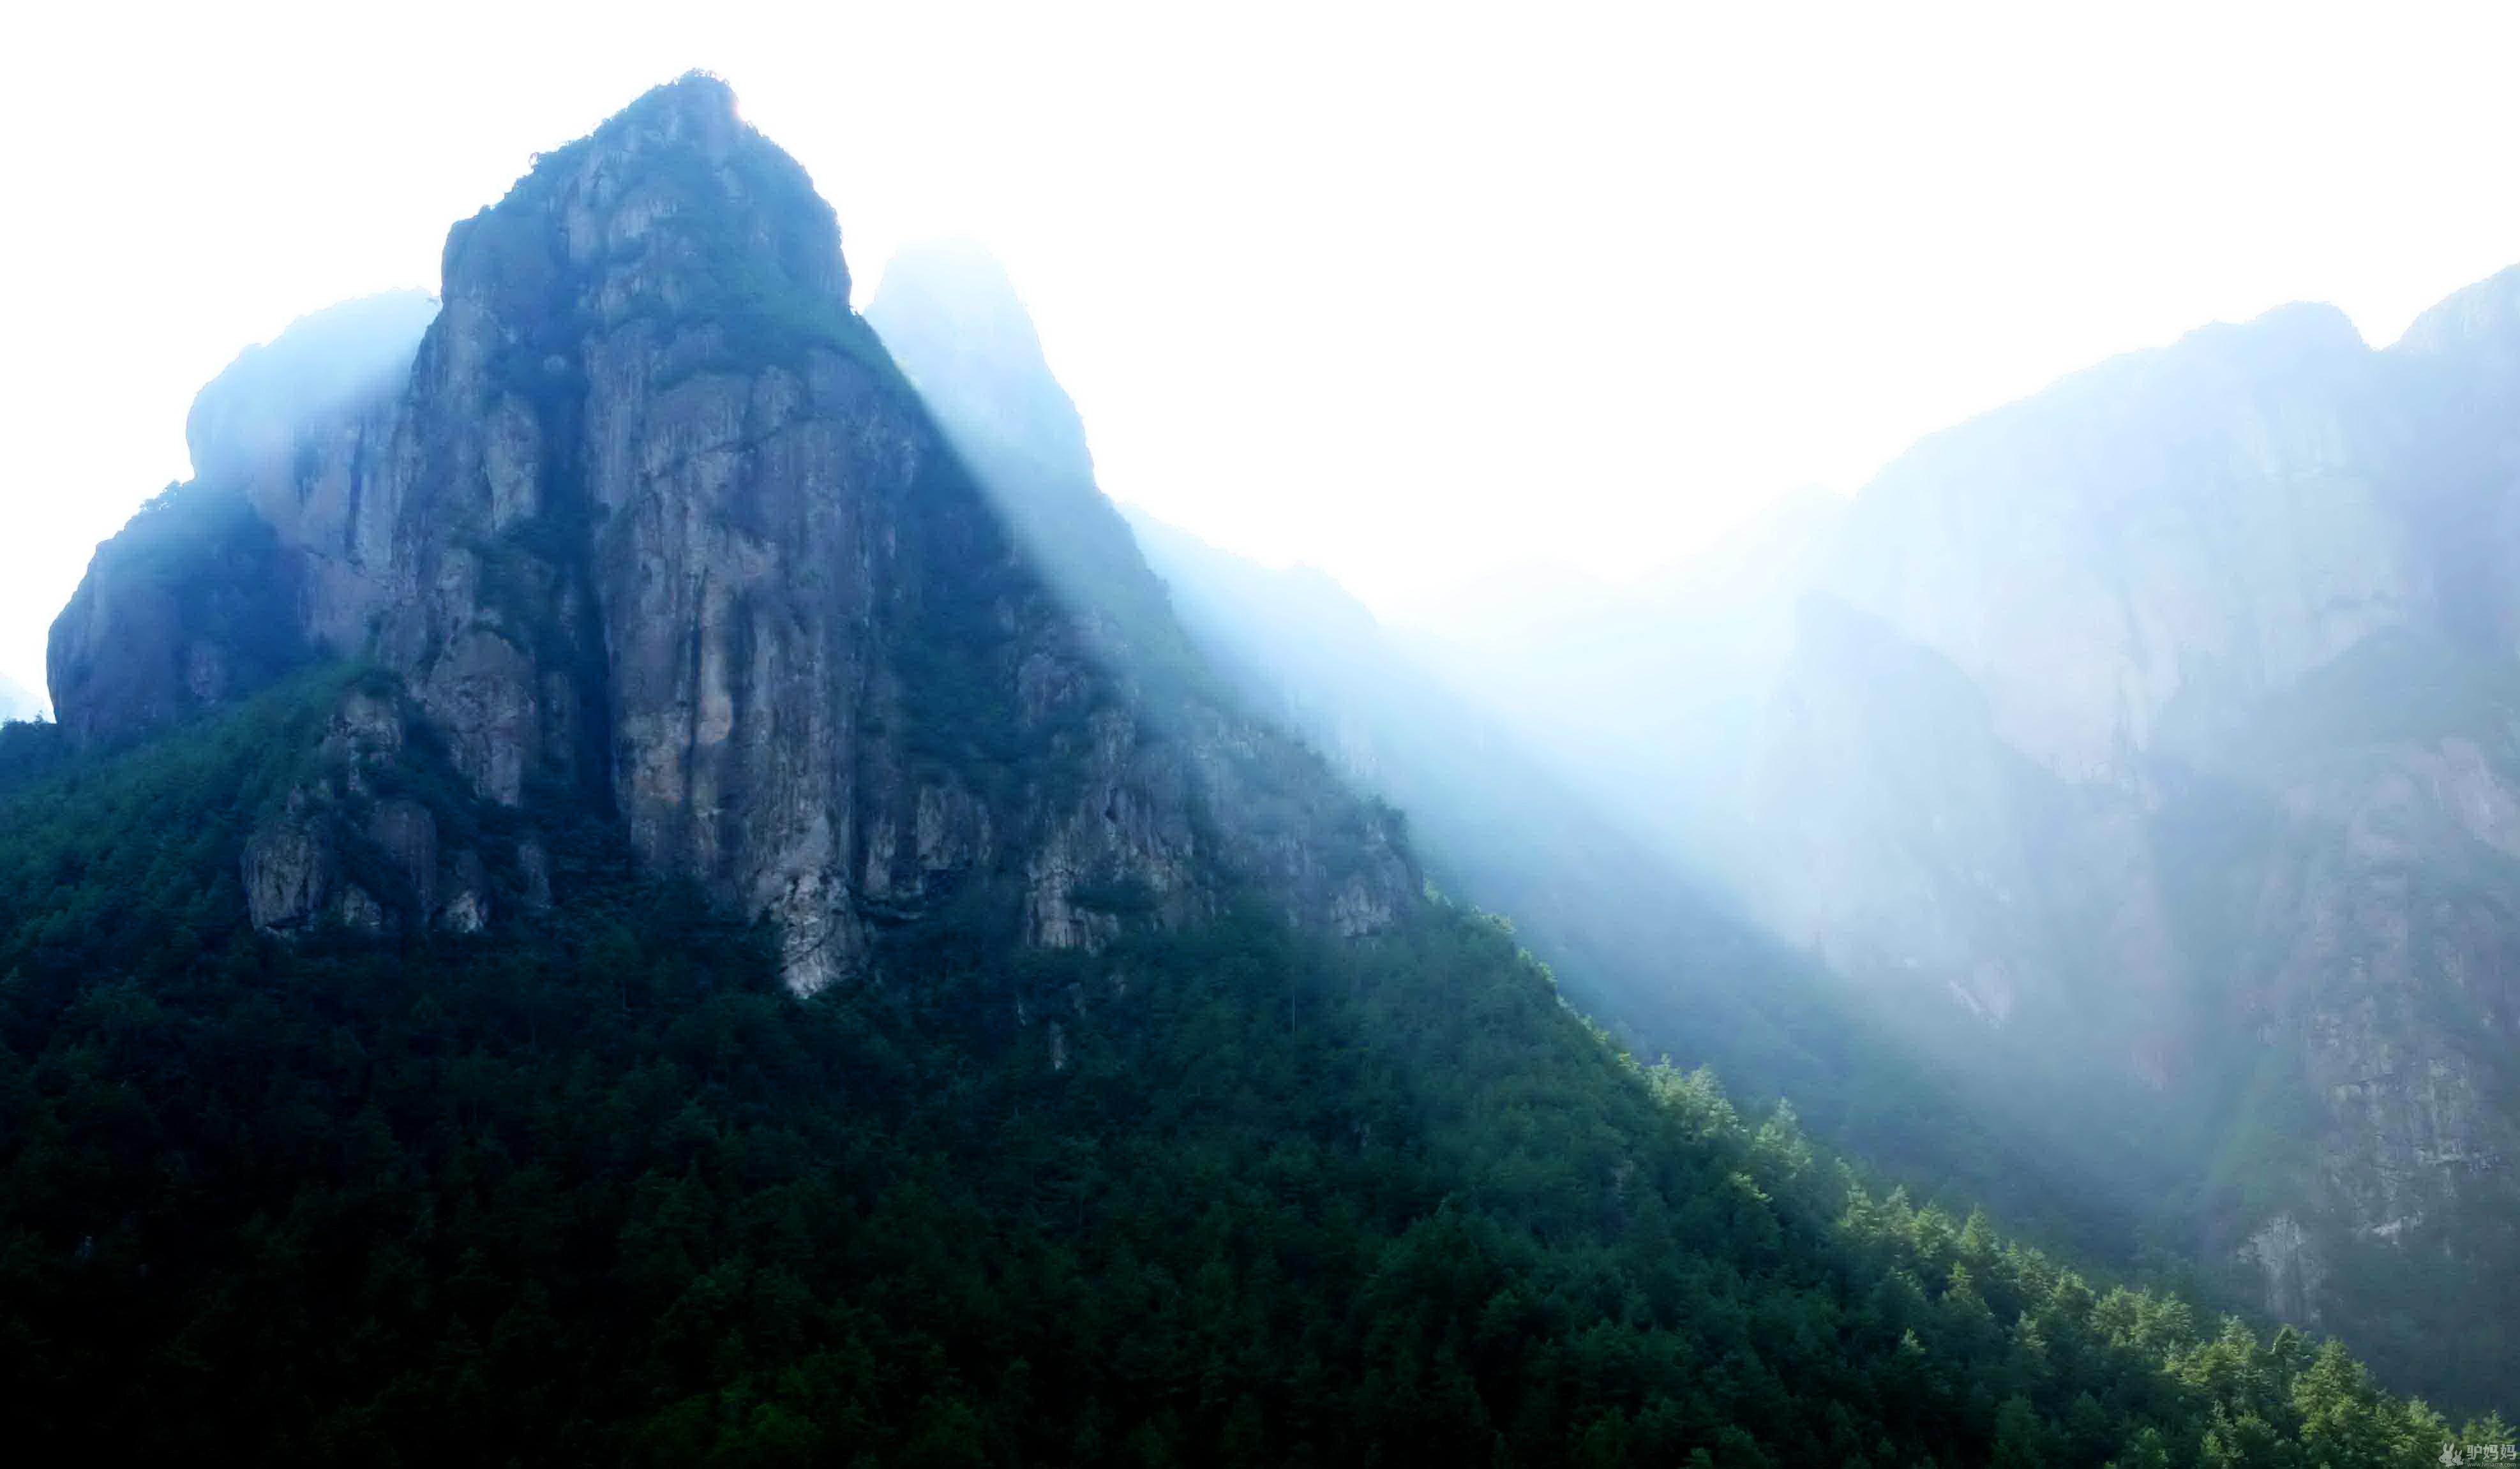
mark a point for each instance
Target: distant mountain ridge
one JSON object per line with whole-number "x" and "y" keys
{"x": 2152, "y": 736}
{"x": 17, "y": 702}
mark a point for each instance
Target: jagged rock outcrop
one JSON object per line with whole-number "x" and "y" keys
{"x": 288, "y": 873}
{"x": 338, "y": 852}
{"x": 652, "y": 519}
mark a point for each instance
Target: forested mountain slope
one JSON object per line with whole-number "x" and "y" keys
{"x": 593, "y": 1185}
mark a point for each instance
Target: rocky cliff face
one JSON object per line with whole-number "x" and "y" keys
{"x": 346, "y": 849}
{"x": 652, "y": 519}
{"x": 2213, "y": 517}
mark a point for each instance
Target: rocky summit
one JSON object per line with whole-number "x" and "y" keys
{"x": 647, "y": 511}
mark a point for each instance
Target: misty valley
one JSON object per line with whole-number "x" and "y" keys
{"x": 641, "y": 866}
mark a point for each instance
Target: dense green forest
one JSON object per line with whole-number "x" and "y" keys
{"x": 593, "y": 1187}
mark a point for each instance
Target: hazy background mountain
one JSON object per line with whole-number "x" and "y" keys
{"x": 317, "y": 365}
{"x": 18, "y": 702}
{"x": 2148, "y": 745}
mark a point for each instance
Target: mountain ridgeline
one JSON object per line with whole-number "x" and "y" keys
{"x": 637, "y": 872}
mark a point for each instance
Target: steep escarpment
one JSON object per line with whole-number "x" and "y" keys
{"x": 653, "y": 518}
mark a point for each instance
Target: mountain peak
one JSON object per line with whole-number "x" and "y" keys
{"x": 698, "y": 99}
{"x": 319, "y": 362}
{"x": 672, "y": 206}
{"x": 959, "y": 281}
{"x": 2302, "y": 324}
{"x": 2486, "y": 310}
{"x": 697, "y": 109}
{"x": 952, "y": 316}
{"x": 654, "y": 527}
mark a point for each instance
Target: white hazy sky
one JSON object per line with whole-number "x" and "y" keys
{"x": 1407, "y": 293}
